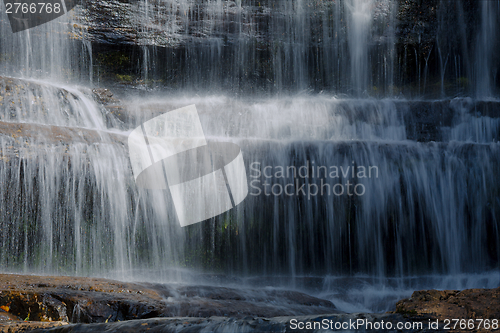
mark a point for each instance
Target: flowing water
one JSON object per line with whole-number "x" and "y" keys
{"x": 424, "y": 209}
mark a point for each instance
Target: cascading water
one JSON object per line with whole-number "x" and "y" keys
{"x": 486, "y": 47}
{"x": 427, "y": 210}
{"x": 46, "y": 52}
{"x": 359, "y": 30}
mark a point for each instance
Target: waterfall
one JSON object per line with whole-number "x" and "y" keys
{"x": 411, "y": 194}
{"x": 415, "y": 204}
{"x": 44, "y": 52}
{"x": 361, "y": 11}
{"x": 487, "y": 45}
{"x": 376, "y": 48}
{"x": 466, "y": 43}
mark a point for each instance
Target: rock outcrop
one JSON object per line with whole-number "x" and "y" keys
{"x": 453, "y": 304}
{"x": 78, "y": 304}
{"x": 242, "y": 42}
{"x": 93, "y": 300}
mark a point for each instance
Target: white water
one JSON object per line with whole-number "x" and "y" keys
{"x": 359, "y": 32}
{"x": 122, "y": 227}
{"x": 430, "y": 220}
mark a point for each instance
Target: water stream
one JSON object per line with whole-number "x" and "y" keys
{"x": 423, "y": 173}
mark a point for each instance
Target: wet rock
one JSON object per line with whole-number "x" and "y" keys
{"x": 47, "y": 134}
{"x": 91, "y": 300}
{"x": 359, "y": 322}
{"x": 118, "y": 22}
{"x": 30, "y": 109}
{"x": 125, "y": 34}
{"x": 6, "y": 316}
{"x": 113, "y": 306}
{"x": 74, "y": 299}
{"x": 42, "y": 103}
{"x": 447, "y": 304}
{"x": 424, "y": 120}
{"x": 27, "y": 326}
{"x": 418, "y": 23}
{"x": 104, "y": 96}
{"x": 314, "y": 284}
{"x": 112, "y": 105}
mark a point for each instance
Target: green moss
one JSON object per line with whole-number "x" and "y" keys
{"x": 406, "y": 312}
{"x": 116, "y": 66}
{"x": 463, "y": 81}
{"x": 114, "y": 60}
{"x": 124, "y": 78}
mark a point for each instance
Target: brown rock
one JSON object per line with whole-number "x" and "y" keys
{"x": 92, "y": 300}
{"x": 50, "y": 134}
{"x": 452, "y": 304}
{"x": 28, "y": 326}
{"x": 104, "y": 96}
{"x": 6, "y": 316}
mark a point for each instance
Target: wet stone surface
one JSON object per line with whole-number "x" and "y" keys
{"x": 92, "y": 300}
{"x": 79, "y": 304}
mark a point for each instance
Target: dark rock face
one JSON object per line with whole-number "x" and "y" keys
{"x": 266, "y": 46}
